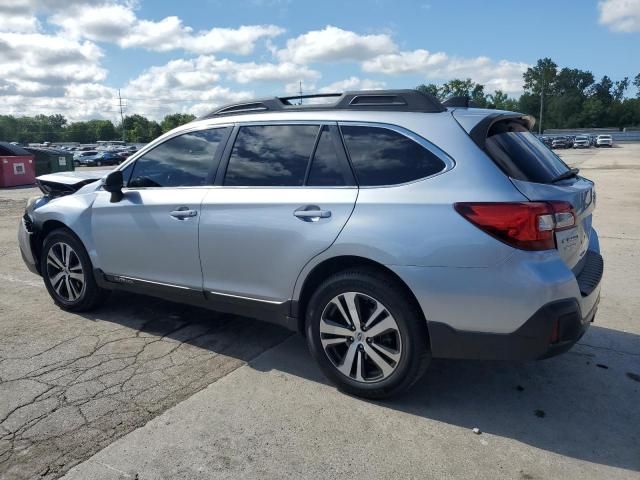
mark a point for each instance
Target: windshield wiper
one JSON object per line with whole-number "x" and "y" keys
{"x": 572, "y": 172}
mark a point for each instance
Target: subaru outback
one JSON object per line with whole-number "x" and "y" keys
{"x": 385, "y": 226}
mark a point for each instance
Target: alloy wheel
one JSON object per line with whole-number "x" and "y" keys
{"x": 360, "y": 337}
{"x": 65, "y": 272}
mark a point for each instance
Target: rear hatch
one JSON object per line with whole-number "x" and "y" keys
{"x": 541, "y": 176}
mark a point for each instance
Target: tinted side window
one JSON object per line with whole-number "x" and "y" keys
{"x": 326, "y": 168}
{"x": 182, "y": 161}
{"x": 521, "y": 155}
{"x": 271, "y": 155}
{"x": 384, "y": 157}
{"x": 126, "y": 173}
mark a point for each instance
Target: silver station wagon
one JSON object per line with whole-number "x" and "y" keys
{"x": 385, "y": 226}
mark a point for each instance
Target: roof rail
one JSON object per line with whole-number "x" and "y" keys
{"x": 378, "y": 100}
{"x": 461, "y": 101}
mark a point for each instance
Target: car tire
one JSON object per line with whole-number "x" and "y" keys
{"x": 378, "y": 360}
{"x": 98, "y": 164}
{"x": 68, "y": 273}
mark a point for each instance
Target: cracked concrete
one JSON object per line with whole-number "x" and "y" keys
{"x": 71, "y": 384}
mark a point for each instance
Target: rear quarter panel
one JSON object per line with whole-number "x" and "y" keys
{"x": 415, "y": 224}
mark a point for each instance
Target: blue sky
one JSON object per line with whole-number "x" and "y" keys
{"x": 189, "y": 55}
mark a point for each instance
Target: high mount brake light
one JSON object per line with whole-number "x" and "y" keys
{"x": 524, "y": 225}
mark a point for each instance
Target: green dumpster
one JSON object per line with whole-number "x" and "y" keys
{"x": 51, "y": 160}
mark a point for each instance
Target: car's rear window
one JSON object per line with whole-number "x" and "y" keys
{"x": 521, "y": 155}
{"x": 384, "y": 157}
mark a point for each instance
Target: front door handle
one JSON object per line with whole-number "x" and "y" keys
{"x": 311, "y": 213}
{"x": 182, "y": 213}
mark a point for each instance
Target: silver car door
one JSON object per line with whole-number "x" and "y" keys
{"x": 265, "y": 222}
{"x": 152, "y": 233}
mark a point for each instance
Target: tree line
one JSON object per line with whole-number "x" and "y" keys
{"x": 571, "y": 98}
{"x": 56, "y": 128}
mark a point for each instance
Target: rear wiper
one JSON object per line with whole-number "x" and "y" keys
{"x": 572, "y": 172}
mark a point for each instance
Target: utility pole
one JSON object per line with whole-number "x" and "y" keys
{"x": 300, "y": 90}
{"x": 541, "y": 105}
{"x": 121, "y": 117}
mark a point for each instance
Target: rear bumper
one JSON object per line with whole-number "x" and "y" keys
{"x": 551, "y": 330}
{"x": 529, "y": 342}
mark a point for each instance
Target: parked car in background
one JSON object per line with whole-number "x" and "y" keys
{"x": 103, "y": 158}
{"x": 560, "y": 142}
{"x": 604, "y": 141}
{"x": 547, "y": 141}
{"x": 581, "y": 141}
{"x": 124, "y": 154}
{"x": 81, "y": 156}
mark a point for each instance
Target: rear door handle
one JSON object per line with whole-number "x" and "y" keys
{"x": 311, "y": 213}
{"x": 182, "y": 213}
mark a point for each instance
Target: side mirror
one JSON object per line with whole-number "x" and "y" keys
{"x": 113, "y": 183}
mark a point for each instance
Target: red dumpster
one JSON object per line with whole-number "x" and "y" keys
{"x": 16, "y": 166}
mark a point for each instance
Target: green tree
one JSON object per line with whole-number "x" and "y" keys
{"x": 619, "y": 88}
{"x": 540, "y": 81}
{"x": 78, "y": 132}
{"x": 8, "y": 128}
{"x": 636, "y": 83}
{"x": 572, "y": 80}
{"x": 603, "y": 90}
{"x": 139, "y": 129}
{"x": 102, "y": 130}
{"x": 458, "y": 88}
{"x": 175, "y": 120}
{"x": 542, "y": 77}
{"x": 501, "y": 101}
{"x": 432, "y": 89}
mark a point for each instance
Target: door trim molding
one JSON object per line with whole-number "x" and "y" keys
{"x": 270, "y": 311}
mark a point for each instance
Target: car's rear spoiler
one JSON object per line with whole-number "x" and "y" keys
{"x": 478, "y": 128}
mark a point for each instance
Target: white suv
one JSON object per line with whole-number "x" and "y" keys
{"x": 604, "y": 141}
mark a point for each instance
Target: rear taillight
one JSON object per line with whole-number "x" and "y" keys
{"x": 524, "y": 225}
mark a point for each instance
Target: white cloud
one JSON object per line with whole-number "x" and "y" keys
{"x": 103, "y": 23}
{"x": 504, "y": 75}
{"x": 620, "y": 15}
{"x": 55, "y": 66}
{"x": 118, "y": 23}
{"x": 194, "y": 85}
{"x": 239, "y": 40}
{"x": 415, "y": 61}
{"x": 20, "y": 23}
{"x": 333, "y": 44}
{"x": 352, "y": 83}
{"x": 49, "y": 60}
{"x": 162, "y": 36}
{"x": 254, "y": 72}
{"x": 206, "y": 69}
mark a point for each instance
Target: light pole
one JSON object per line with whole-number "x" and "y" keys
{"x": 541, "y": 105}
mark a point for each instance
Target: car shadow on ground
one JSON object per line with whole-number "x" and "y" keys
{"x": 583, "y": 404}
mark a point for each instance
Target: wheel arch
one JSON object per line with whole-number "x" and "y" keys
{"x": 333, "y": 265}
{"x": 38, "y": 240}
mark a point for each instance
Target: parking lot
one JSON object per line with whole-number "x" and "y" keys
{"x": 149, "y": 389}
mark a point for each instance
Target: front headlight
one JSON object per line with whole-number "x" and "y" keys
{"x": 32, "y": 200}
